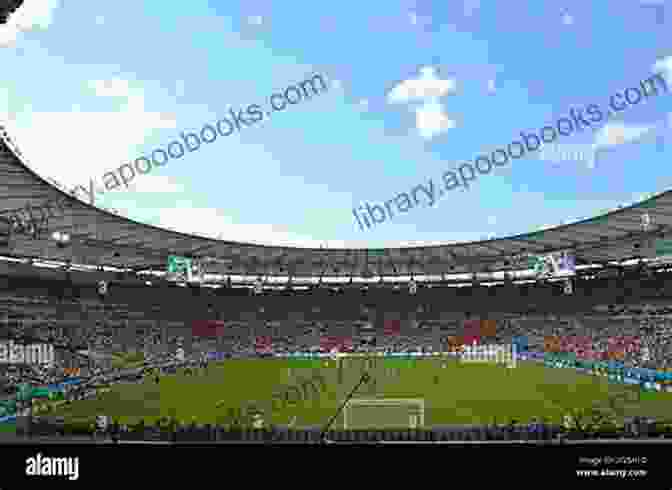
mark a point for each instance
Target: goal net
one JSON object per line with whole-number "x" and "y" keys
{"x": 501, "y": 354}
{"x": 384, "y": 413}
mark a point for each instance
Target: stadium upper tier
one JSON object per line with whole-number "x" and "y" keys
{"x": 8, "y": 8}
{"x": 73, "y": 300}
{"x": 101, "y": 238}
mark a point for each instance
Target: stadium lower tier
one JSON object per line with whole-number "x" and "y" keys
{"x": 189, "y": 434}
{"x": 307, "y": 393}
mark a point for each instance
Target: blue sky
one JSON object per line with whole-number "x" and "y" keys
{"x": 415, "y": 89}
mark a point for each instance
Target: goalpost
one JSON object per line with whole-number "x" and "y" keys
{"x": 499, "y": 354}
{"x": 363, "y": 413}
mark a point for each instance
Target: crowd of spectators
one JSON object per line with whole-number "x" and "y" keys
{"x": 648, "y": 327}
{"x": 170, "y": 430}
{"x": 641, "y": 336}
{"x": 648, "y": 330}
{"x": 652, "y": 327}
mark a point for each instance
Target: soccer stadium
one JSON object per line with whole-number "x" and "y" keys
{"x": 117, "y": 330}
{"x": 214, "y": 336}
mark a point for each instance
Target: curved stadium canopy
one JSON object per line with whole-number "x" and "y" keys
{"x": 101, "y": 238}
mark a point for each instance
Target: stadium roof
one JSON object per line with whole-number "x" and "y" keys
{"x": 101, "y": 238}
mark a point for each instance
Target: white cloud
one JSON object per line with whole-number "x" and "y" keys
{"x": 77, "y": 146}
{"x": 114, "y": 87}
{"x": 157, "y": 184}
{"x": 616, "y": 133}
{"x": 5, "y": 113}
{"x": 33, "y": 14}
{"x": 491, "y": 87}
{"x": 431, "y": 120}
{"x": 413, "y": 18}
{"x": 213, "y": 223}
{"x": 8, "y": 35}
{"x": 428, "y": 85}
{"x": 100, "y": 20}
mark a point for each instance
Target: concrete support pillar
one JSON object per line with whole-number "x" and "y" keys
{"x": 129, "y": 336}
{"x": 117, "y": 335}
{"x": 436, "y": 337}
{"x": 162, "y": 340}
{"x": 409, "y": 324}
{"x": 253, "y": 334}
{"x": 188, "y": 341}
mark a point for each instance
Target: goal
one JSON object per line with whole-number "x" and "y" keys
{"x": 384, "y": 413}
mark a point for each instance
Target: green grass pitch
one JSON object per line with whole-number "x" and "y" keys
{"x": 453, "y": 393}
